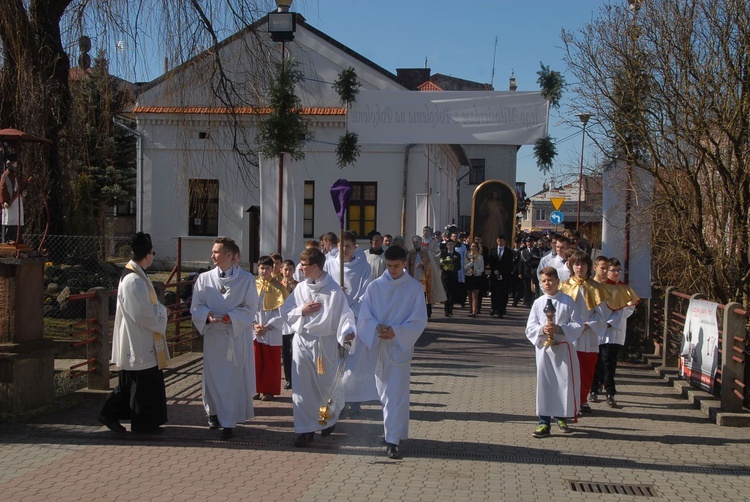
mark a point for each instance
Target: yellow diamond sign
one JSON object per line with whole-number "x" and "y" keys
{"x": 557, "y": 202}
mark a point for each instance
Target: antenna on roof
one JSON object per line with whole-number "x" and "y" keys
{"x": 494, "y": 57}
{"x": 425, "y": 61}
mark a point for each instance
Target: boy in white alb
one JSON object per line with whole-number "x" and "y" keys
{"x": 557, "y": 378}
{"x": 321, "y": 319}
{"x": 392, "y": 317}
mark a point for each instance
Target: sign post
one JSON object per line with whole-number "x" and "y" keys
{"x": 557, "y": 218}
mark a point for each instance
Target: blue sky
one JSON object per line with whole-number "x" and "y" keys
{"x": 458, "y": 39}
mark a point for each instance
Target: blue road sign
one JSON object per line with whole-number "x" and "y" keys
{"x": 556, "y": 217}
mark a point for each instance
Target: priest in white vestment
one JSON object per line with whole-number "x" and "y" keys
{"x": 319, "y": 315}
{"x": 558, "y": 379}
{"x": 138, "y": 347}
{"x": 392, "y": 317}
{"x": 225, "y": 301}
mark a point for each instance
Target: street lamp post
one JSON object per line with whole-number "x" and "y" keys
{"x": 584, "y": 118}
{"x": 281, "y": 25}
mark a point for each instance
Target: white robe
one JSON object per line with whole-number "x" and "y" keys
{"x": 13, "y": 214}
{"x": 616, "y": 330}
{"x": 272, "y": 320}
{"x": 317, "y": 336}
{"x": 228, "y": 358}
{"x": 437, "y": 292}
{"x": 558, "y": 383}
{"x": 595, "y": 320}
{"x": 399, "y": 304}
{"x": 544, "y": 262}
{"x": 136, "y": 321}
{"x": 357, "y": 276}
{"x": 377, "y": 264}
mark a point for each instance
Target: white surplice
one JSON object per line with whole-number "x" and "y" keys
{"x": 557, "y": 374}
{"x": 357, "y": 276}
{"x": 316, "y": 344}
{"x": 136, "y": 321}
{"x": 228, "y": 358}
{"x": 377, "y": 264}
{"x": 437, "y": 292}
{"x": 399, "y": 304}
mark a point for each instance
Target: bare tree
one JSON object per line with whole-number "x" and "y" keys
{"x": 669, "y": 87}
{"x": 40, "y": 37}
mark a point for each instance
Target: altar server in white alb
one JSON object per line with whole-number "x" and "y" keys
{"x": 392, "y": 317}
{"x": 557, "y": 374}
{"x": 359, "y": 386}
{"x": 225, "y": 301}
{"x": 138, "y": 348}
{"x": 321, "y": 319}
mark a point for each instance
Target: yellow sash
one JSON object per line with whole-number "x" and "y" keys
{"x": 274, "y": 293}
{"x": 160, "y": 341}
{"x": 593, "y": 292}
{"x": 622, "y": 295}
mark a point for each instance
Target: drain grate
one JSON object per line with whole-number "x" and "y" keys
{"x": 592, "y": 487}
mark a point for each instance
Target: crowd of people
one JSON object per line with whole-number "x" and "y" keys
{"x": 341, "y": 324}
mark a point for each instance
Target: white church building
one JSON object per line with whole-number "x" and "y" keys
{"x": 198, "y": 177}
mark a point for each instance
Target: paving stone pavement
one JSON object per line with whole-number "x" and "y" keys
{"x": 472, "y": 416}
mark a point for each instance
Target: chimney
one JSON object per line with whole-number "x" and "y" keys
{"x": 412, "y": 78}
{"x": 513, "y": 86}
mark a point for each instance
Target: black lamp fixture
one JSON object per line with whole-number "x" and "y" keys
{"x": 282, "y": 23}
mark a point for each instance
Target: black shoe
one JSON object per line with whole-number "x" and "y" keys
{"x": 288, "y": 385}
{"x": 256, "y": 397}
{"x": 327, "y": 431}
{"x": 391, "y": 451}
{"x": 226, "y": 433}
{"x": 267, "y": 397}
{"x": 500, "y": 316}
{"x": 303, "y": 439}
{"x": 111, "y": 423}
{"x": 213, "y": 422}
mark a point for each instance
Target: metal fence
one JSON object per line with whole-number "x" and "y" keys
{"x": 669, "y": 310}
{"x": 91, "y": 335}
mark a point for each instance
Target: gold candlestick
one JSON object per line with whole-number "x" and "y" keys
{"x": 549, "y": 311}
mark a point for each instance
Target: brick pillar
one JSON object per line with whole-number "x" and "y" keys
{"x": 27, "y": 363}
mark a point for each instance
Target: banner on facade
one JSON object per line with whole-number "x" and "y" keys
{"x": 699, "y": 356}
{"x": 449, "y": 117}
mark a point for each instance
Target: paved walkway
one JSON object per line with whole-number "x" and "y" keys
{"x": 472, "y": 416}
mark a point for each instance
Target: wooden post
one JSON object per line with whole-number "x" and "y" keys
{"x": 668, "y": 305}
{"x": 101, "y": 349}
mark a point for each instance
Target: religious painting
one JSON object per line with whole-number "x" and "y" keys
{"x": 493, "y": 211}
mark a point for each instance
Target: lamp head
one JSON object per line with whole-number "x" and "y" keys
{"x": 283, "y": 5}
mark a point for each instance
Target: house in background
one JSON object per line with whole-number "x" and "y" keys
{"x": 537, "y": 215}
{"x": 196, "y": 181}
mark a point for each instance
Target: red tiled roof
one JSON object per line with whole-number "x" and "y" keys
{"x": 199, "y": 110}
{"x": 429, "y": 86}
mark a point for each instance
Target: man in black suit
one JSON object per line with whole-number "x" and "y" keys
{"x": 501, "y": 275}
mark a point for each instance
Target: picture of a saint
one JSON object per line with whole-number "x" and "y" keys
{"x": 494, "y": 206}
